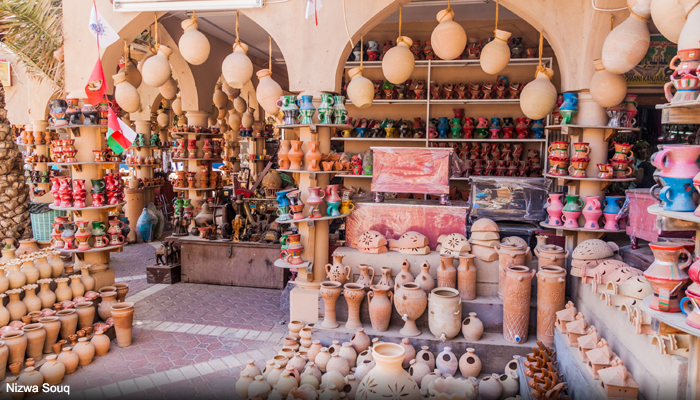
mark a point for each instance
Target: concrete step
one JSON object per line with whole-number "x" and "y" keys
{"x": 494, "y": 351}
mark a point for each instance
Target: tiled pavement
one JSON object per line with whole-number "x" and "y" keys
{"x": 190, "y": 341}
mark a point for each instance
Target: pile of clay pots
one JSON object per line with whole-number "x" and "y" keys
{"x": 366, "y": 368}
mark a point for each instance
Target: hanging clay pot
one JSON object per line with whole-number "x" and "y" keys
{"x": 669, "y": 18}
{"x": 156, "y": 69}
{"x": 690, "y": 35}
{"x": 133, "y": 75}
{"x": 237, "y": 67}
{"x": 240, "y": 105}
{"x": 395, "y": 382}
{"x": 448, "y": 38}
{"x": 126, "y": 95}
{"x": 194, "y": 45}
{"x": 248, "y": 118}
{"x": 169, "y": 89}
{"x": 627, "y": 44}
{"x": 360, "y": 89}
{"x": 495, "y": 56}
{"x": 539, "y": 96}
{"x": 177, "y": 105}
{"x": 398, "y": 62}
{"x": 163, "y": 119}
{"x": 608, "y": 90}
{"x": 268, "y": 91}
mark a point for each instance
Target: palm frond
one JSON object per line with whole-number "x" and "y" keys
{"x": 32, "y": 30}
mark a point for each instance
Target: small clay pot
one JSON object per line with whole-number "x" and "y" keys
{"x": 14, "y": 368}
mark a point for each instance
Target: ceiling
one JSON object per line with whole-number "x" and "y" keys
{"x": 221, "y": 24}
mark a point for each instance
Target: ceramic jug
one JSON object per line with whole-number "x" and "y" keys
{"x": 592, "y": 212}
{"x": 613, "y": 204}
{"x": 677, "y": 161}
{"x": 554, "y": 209}
{"x": 666, "y": 275}
{"x": 678, "y": 194}
{"x": 365, "y": 279}
{"x": 573, "y": 203}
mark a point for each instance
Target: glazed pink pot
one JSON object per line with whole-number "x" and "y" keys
{"x": 592, "y": 212}
{"x": 611, "y": 222}
{"x": 554, "y": 209}
{"x": 677, "y": 161}
{"x": 332, "y": 193}
{"x": 570, "y": 219}
{"x": 315, "y": 195}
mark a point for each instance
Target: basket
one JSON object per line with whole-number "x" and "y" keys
{"x": 41, "y": 224}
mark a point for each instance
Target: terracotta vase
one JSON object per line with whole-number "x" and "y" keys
{"x": 466, "y": 277}
{"x": 353, "y": 294}
{"x": 27, "y": 246}
{"x": 53, "y": 370}
{"x": 282, "y": 154}
{"x": 123, "y": 316}
{"x": 424, "y": 280}
{"x": 86, "y": 314}
{"x": 313, "y": 156}
{"x": 666, "y": 275}
{"x": 516, "y": 303}
{"x": 365, "y": 279}
{"x": 46, "y": 295}
{"x": 446, "y": 273}
{"x": 410, "y": 352}
{"x": 56, "y": 264}
{"x": 472, "y": 327}
{"x": 104, "y": 309}
{"x": 122, "y": 290}
{"x": 551, "y": 286}
{"x": 15, "y": 276}
{"x": 16, "y": 307}
{"x": 36, "y": 337}
{"x": 52, "y": 326}
{"x": 4, "y": 313}
{"x": 31, "y": 300}
{"x": 387, "y": 379}
{"x": 337, "y": 271}
{"x": 69, "y": 359}
{"x": 76, "y": 286}
{"x": 87, "y": 280}
{"x": 85, "y": 351}
{"x": 29, "y": 270}
{"x": 63, "y": 292}
{"x": 330, "y": 291}
{"x": 4, "y": 354}
{"x": 360, "y": 341}
{"x": 380, "y": 299}
{"x": 295, "y": 155}
{"x": 404, "y": 276}
{"x": 42, "y": 264}
{"x": 69, "y": 322}
{"x": 410, "y": 301}
{"x": 16, "y": 343}
{"x": 509, "y": 254}
{"x": 444, "y": 313}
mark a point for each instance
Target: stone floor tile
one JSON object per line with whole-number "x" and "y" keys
{"x": 126, "y": 387}
{"x": 241, "y": 333}
{"x": 204, "y": 368}
{"x": 161, "y": 378}
{"x": 189, "y": 372}
{"x": 111, "y": 390}
{"x": 144, "y": 382}
{"x": 93, "y": 393}
{"x": 231, "y": 361}
{"x": 252, "y": 335}
{"x": 263, "y": 336}
{"x": 195, "y": 329}
{"x": 218, "y": 331}
{"x": 206, "y": 330}
{"x": 218, "y": 364}
{"x": 175, "y": 375}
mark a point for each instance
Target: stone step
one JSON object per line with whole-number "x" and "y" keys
{"x": 493, "y": 350}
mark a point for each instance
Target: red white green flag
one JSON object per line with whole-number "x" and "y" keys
{"x": 119, "y": 135}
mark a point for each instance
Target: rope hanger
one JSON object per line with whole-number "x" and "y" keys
{"x": 540, "y": 67}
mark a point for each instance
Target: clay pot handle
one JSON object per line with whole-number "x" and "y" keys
{"x": 687, "y": 262}
{"x": 673, "y": 61}
{"x": 390, "y": 296}
{"x": 328, "y": 268}
{"x": 566, "y": 254}
{"x": 537, "y": 252}
{"x": 349, "y": 271}
{"x": 569, "y": 169}
{"x": 370, "y": 296}
{"x": 667, "y": 91}
{"x": 532, "y": 273}
{"x": 631, "y": 171}
{"x": 372, "y": 278}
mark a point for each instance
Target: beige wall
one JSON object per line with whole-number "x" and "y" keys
{"x": 17, "y": 95}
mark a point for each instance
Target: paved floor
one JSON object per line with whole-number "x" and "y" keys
{"x": 190, "y": 340}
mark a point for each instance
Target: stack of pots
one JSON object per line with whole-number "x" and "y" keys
{"x": 558, "y": 158}
{"x": 509, "y": 254}
{"x": 580, "y": 160}
{"x": 678, "y": 166}
{"x": 622, "y": 165}
{"x": 571, "y": 211}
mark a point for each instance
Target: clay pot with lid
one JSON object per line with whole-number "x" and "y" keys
{"x": 69, "y": 322}
{"x": 589, "y": 253}
{"x": 36, "y": 337}
{"x": 516, "y": 303}
{"x": 388, "y": 357}
{"x": 16, "y": 343}
{"x": 69, "y": 359}
{"x": 123, "y": 316}
{"x": 52, "y": 326}
{"x": 551, "y": 286}
{"x": 410, "y": 301}
{"x": 550, "y": 254}
{"x": 380, "y": 299}
{"x": 466, "y": 277}
{"x": 444, "y": 313}
{"x": 509, "y": 254}
{"x": 353, "y": 294}
{"x": 53, "y": 370}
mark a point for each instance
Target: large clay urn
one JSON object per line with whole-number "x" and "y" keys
{"x": 16, "y": 307}
{"x": 669, "y": 18}
{"x": 509, "y": 254}
{"x": 123, "y": 316}
{"x": 237, "y": 67}
{"x": 516, "y": 303}
{"x": 448, "y": 38}
{"x": 337, "y": 271}
{"x": 446, "y": 273}
{"x": 268, "y": 91}
{"x": 69, "y": 359}
{"x": 330, "y": 291}
{"x": 388, "y": 379}
{"x": 551, "y": 254}
{"x": 410, "y": 301}
{"x": 295, "y": 155}
{"x": 52, "y": 326}
{"x": 353, "y": 294}
{"x": 86, "y": 314}
{"x": 445, "y": 313}
{"x": 16, "y": 343}
{"x": 539, "y": 96}
{"x": 380, "y": 299}
{"x": 667, "y": 276}
{"x": 551, "y": 286}
{"x": 495, "y": 56}
{"x": 126, "y": 95}
{"x": 607, "y": 89}
{"x": 69, "y": 322}
{"x": 626, "y": 45}
{"x": 360, "y": 89}
{"x": 4, "y": 354}
{"x": 36, "y": 337}
{"x": 53, "y": 370}
{"x": 193, "y": 44}
{"x": 156, "y": 70}
{"x": 398, "y": 63}
{"x": 282, "y": 154}
{"x": 466, "y": 277}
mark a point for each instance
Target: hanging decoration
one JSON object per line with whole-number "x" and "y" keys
{"x": 690, "y": 34}
{"x": 495, "y": 56}
{"x": 607, "y": 90}
{"x": 399, "y": 62}
{"x": 194, "y": 45}
{"x": 177, "y": 105}
{"x": 220, "y": 99}
{"x": 126, "y": 94}
{"x": 133, "y": 75}
{"x": 163, "y": 119}
{"x": 268, "y": 91}
{"x": 539, "y": 97}
{"x": 156, "y": 69}
{"x": 449, "y": 38}
{"x": 628, "y": 43}
{"x": 237, "y": 67}
{"x": 669, "y": 18}
{"x": 169, "y": 89}
{"x": 360, "y": 89}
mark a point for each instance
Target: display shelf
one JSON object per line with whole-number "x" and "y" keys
{"x": 36, "y": 162}
{"x": 563, "y": 180}
{"x": 685, "y": 112}
{"x": 314, "y": 126}
{"x": 579, "y": 229}
{"x": 81, "y": 209}
{"x": 92, "y": 250}
{"x": 475, "y": 101}
{"x": 149, "y": 187}
{"x": 83, "y": 163}
{"x": 294, "y": 171}
{"x": 689, "y": 216}
{"x": 366, "y": 139}
{"x": 142, "y": 165}
{"x": 197, "y": 189}
{"x": 311, "y": 219}
{"x": 199, "y": 159}
{"x": 674, "y": 320}
{"x": 490, "y": 140}
{"x": 143, "y": 147}
{"x": 396, "y": 101}
{"x": 283, "y": 264}
{"x": 577, "y": 130}
{"x": 354, "y": 176}
{"x": 472, "y": 62}
{"x": 55, "y": 128}
{"x": 215, "y": 135}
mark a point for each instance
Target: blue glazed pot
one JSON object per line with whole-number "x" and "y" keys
{"x": 538, "y": 129}
{"x": 570, "y": 101}
{"x": 678, "y": 194}
{"x": 282, "y": 199}
{"x": 305, "y": 103}
{"x": 613, "y": 204}
{"x": 443, "y": 127}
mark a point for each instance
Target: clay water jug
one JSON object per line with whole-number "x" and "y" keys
{"x": 386, "y": 278}
{"x": 410, "y": 301}
{"x": 360, "y": 89}
{"x": 337, "y": 271}
{"x": 393, "y": 380}
{"x": 424, "y": 280}
{"x": 69, "y": 322}
{"x": 554, "y": 208}
{"x": 87, "y": 280}
{"x": 282, "y": 154}
{"x": 15, "y": 276}
{"x": 36, "y": 338}
{"x": 607, "y": 89}
{"x": 472, "y": 327}
{"x": 52, "y": 326}
{"x": 516, "y": 303}
{"x": 193, "y": 44}
{"x": 69, "y": 359}
{"x": 42, "y": 264}
{"x": 466, "y": 277}
{"x": 56, "y": 264}
{"x": 592, "y": 212}
{"x": 268, "y": 91}
{"x": 551, "y": 285}
{"x": 156, "y": 70}
{"x": 313, "y": 156}
{"x": 86, "y": 314}
{"x": 330, "y": 291}
{"x": 76, "y": 286}
{"x": 404, "y": 276}
{"x": 85, "y": 351}
{"x": 365, "y": 279}
{"x": 62, "y": 291}
{"x": 550, "y": 254}
{"x": 237, "y": 67}
{"x": 398, "y": 63}
{"x": 380, "y": 306}
{"x": 53, "y": 370}
{"x": 448, "y": 38}
{"x": 123, "y": 316}
{"x": 539, "y": 96}
{"x": 4, "y": 354}
{"x": 4, "y": 313}
{"x": 627, "y": 44}
{"x": 29, "y": 270}
{"x": 446, "y": 273}
{"x": 444, "y": 313}
{"x": 509, "y": 254}
{"x": 667, "y": 275}
{"x": 16, "y": 343}
{"x": 495, "y": 55}
{"x": 16, "y": 307}
{"x": 125, "y": 94}
{"x": 353, "y": 294}
{"x": 104, "y": 309}
{"x": 30, "y": 299}
{"x": 295, "y": 155}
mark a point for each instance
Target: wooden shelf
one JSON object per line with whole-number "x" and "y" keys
{"x": 85, "y": 163}
{"x": 292, "y": 171}
{"x": 689, "y": 216}
{"x": 685, "y": 112}
{"x": 311, "y": 219}
{"x": 562, "y": 180}
{"x": 143, "y": 165}
{"x": 92, "y": 250}
{"x": 314, "y": 127}
{"x": 579, "y": 229}
{"x": 199, "y": 159}
{"x": 79, "y": 211}
{"x": 197, "y": 189}
{"x": 55, "y": 128}
{"x": 475, "y": 101}
{"x": 354, "y": 176}
{"x": 283, "y": 264}
{"x": 674, "y": 320}
{"x": 366, "y": 139}
{"x": 578, "y": 129}
{"x": 143, "y": 147}
{"x": 196, "y": 134}
{"x": 472, "y": 62}
{"x": 490, "y": 140}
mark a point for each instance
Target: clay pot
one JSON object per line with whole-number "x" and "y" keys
{"x": 295, "y": 155}
{"x": 86, "y": 314}
{"x": 52, "y": 327}
{"x": 313, "y": 156}
{"x": 472, "y": 327}
{"x": 348, "y": 353}
{"x": 237, "y": 67}
{"x": 387, "y": 376}
{"x": 399, "y": 62}
{"x": 516, "y": 303}
{"x": 446, "y": 273}
{"x": 76, "y": 286}
{"x": 31, "y": 300}
{"x": 330, "y": 291}
{"x": 404, "y": 276}
{"x": 425, "y": 356}
{"x": 16, "y": 307}
{"x": 410, "y": 352}
{"x": 539, "y": 96}
{"x": 69, "y": 322}
{"x": 337, "y": 271}
{"x": 242, "y": 385}
{"x": 15, "y": 276}
{"x": 424, "y": 280}
{"x": 364, "y": 366}
{"x": 42, "y": 264}
{"x": 122, "y": 290}
{"x": 16, "y": 343}
{"x": 360, "y": 341}
{"x": 85, "y": 351}
{"x": 418, "y": 371}
{"x": 365, "y": 279}
{"x": 46, "y": 295}
{"x": 495, "y": 56}
{"x": 295, "y": 328}
{"x": 251, "y": 368}
{"x": 338, "y": 364}
{"x": 36, "y": 337}
{"x": 626, "y": 45}
{"x": 4, "y": 354}
{"x": 470, "y": 364}
{"x": 550, "y": 254}
{"x": 27, "y": 246}
{"x": 551, "y": 285}
{"x": 669, "y": 18}
{"x": 380, "y": 299}
{"x": 104, "y": 309}
{"x": 193, "y": 44}
{"x": 509, "y": 384}
{"x": 360, "y": 89}
{"x": 31, "y": 377}
{"x": 56, "y": 264}
{"x": 466, "y": 277}
{"x": 322, "y": 359}
{"x": 607, "y": 89}
{"x": 4, "y": 313}
{"x": 354, "y": 294}
{"x": 101, "y": 343}
{"x": 448, "y": 38}
{"x": 490, "y": 388}
{"x": 447, "y": 362}
{"x": 509, "y": 254}
{"x": 87, "y": 280}
{"x": 156, "y": 70}
{"x": 125, "y": 94}
{"x": 63, "y": 292}
{"x": 410, "y": 301}
{"x": 268, "y": 91}
{"x": 314, "y": 350}
{"x": 69, "y": 359}
{"x": 445, "y": 313}
{"x": 123, "y": 316}
{"x": 53, "y": 370}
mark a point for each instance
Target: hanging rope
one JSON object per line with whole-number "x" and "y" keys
{"x": 448, "y": 11}
{"x": 238, "y": 40}
{"x": 637, "y": 15}
{"x": 400, "y": 39}
{"x": 269, "y": 51}
{"x": 541, "y": 68}
{"x": 155, "y": 25}
{"x": 496, "y": 16}
{"x": 612, "y": 21}
{"x": 362, "y": 51}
